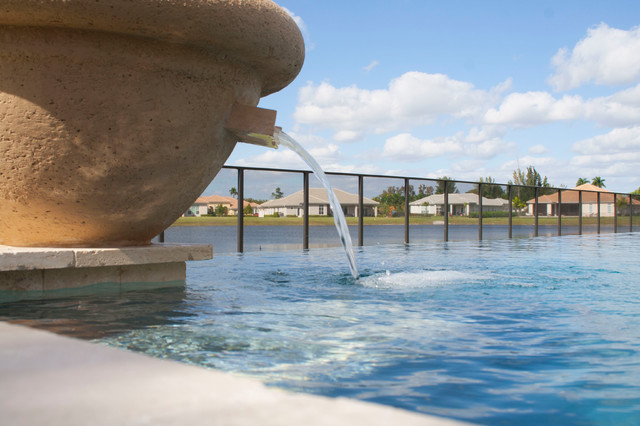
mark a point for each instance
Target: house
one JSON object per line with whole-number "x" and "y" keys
{"x": 548, "y": 204}
{"x": 216, "y": 201}
{"x": 198, "y": 208}
{"x": 459, "y": 205}
{"x": 292, "y": 205}
{"x": 209, "y": 204}
{"x": 254, "y": 208}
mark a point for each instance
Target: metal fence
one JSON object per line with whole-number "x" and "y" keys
{"x": 550, "y": 203}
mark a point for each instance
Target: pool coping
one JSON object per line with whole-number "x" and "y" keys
{"x": 34, "y": 272}
{"x": 57, "y": 380}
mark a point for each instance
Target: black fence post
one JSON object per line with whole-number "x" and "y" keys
{"x": 406, "y": 211}
{"x": 535, "y": 191}
{"x": 598, "y": 201}
{"x": 630, "y": 213}
{"x": 480, "y": 211}
{"x": 615, "y": 213}
{"x": 240, "y": 230}
{"x": 305, "y": 210}
{"x": 446, "y": 211}
{"x": 360, "y": 210}
{"x": 580, "y": 212}
{"x": 510, "y": 211}
{"x": 559, "y": 213}
{"x": 161, "y": 237}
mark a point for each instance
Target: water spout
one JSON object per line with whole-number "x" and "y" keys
{"x": 253, "y": 125}
{"x": 338, "y": 216}
{"x": 257, "y": 126}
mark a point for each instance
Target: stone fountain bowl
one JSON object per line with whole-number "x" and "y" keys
{"x": 112, "y": 112}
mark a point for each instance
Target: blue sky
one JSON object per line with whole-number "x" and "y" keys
{"x": 464, "y": 89}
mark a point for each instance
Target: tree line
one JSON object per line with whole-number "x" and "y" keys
{"x": 392, "y": 199}
{"x": 524, "y": 184}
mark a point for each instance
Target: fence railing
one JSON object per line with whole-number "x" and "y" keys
{"x": 543, "y": 199}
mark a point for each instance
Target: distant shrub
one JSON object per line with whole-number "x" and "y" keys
{"x": 490, "y": 214}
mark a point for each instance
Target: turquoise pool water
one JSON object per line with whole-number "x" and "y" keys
{"x": 528, "y": 331}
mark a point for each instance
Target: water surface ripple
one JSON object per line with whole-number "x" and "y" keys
{"x": 530, "y": 331}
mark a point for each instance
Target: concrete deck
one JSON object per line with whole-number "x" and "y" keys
{"x": 46, "y": 379}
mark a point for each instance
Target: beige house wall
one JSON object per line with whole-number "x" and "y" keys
{"x": 588, "y": 209}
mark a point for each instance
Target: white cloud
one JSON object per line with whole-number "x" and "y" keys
{"x": 620, "y": 109}
{"x": 406, "y": 147}
{"x": 279, "y": 159}
{"x": 535, "y": 108}
{"x": 298, "y": 20}
{"x": 538, "y": 150}
{"x": 467, "y": 169}
{"x": 616, "y": 167}
{"x": 488, "y": 148}
{"x": 620, "y": 164}
{"x": 371, "y": 66}
{"x": 607, "y": 160}
{"x": 347, "y": 135}
{"x": 416, "y": 99}
{"x": 480, "y": 134}
{"x": 413, "y": 99}
{"x": 542, "y": 164}
{"x": 622, "y": 140}
{"x": 605, "y": 56}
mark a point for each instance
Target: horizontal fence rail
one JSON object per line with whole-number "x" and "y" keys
{"x": 622, "y": 199}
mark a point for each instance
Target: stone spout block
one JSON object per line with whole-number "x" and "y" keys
{"x": 253, "y": 125}
{"x": 113, "y": 113}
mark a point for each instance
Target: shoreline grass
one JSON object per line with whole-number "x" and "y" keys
{"x": 413, "y": 220}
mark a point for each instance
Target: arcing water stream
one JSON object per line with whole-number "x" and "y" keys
{"x": 338, "y": 216}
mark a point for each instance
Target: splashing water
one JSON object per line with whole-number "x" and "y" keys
{"x": 338, "y": 216}
{"x": 420, "y": 279}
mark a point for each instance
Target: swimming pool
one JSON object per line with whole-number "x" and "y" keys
{"x": 528, "y": 331}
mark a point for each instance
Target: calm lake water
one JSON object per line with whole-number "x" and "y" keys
{"x": 280, "y": 238}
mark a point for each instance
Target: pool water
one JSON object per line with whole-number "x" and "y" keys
{"x": 528, "y": 331}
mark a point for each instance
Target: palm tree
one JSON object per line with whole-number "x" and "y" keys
{"x": 582, "y": 181}
{"x": 599, "y": 182}
{"x": 233, "y": 191}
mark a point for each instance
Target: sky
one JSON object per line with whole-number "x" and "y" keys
{"x": 464, "y": 89}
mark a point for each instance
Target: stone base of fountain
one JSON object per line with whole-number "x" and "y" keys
{"x": 36, "y": 272}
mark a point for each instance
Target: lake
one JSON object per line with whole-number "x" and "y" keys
{"x": 281, "y": 238}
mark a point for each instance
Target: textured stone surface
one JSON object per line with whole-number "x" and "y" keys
{"x": 27, "y": 272}
{"x": 133, "y": 275}
{"x": 57, "y": 279}
{"x": 112, "y": 113}
{"x": 154, "y": 253}
{"x": 31, "y": 281}
{"x": 255, "y": 32}
{"x": 55, "y": 380}
{"x": 26, "y": 258}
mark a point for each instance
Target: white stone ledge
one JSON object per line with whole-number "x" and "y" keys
{"x": 30, "y": 258}
{"x": 33, "y": 272}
